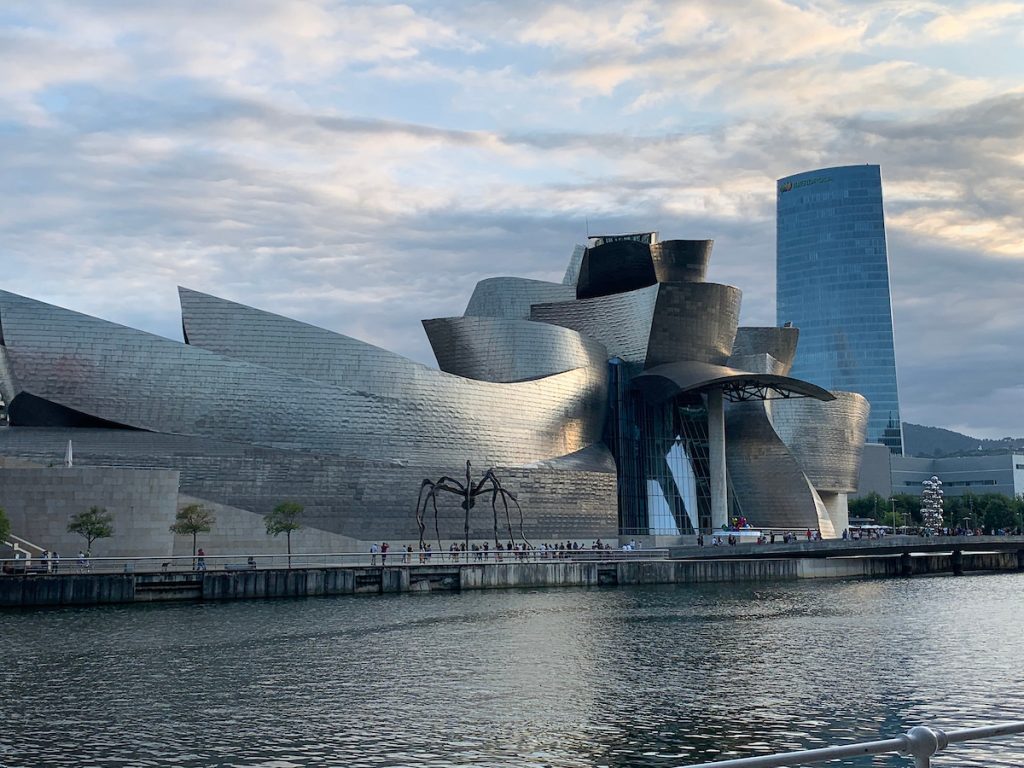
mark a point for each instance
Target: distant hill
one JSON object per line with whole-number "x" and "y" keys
{"x": 919, "y": 440}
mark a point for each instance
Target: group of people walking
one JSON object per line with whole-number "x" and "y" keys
{"x": 485, "y": 551}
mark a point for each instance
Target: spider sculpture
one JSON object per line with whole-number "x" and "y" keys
{"x": 488, "y": 484}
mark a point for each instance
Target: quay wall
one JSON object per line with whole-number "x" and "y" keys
{"x": 95, "y": 589}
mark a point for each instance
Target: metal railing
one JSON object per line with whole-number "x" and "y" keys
{"x": 920, "y": 743}
{"x": 240, "y": 562}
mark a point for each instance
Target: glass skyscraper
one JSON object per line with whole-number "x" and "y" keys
{"x": 832, "y": 282}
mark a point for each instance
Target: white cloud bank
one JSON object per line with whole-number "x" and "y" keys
{"x": 362, "y": 165}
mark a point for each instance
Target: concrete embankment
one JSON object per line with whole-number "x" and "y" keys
{"x": 96, "y": 589}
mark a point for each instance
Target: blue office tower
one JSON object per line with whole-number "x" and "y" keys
{"x": 832, "y": 282}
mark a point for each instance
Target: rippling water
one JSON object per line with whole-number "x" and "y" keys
{"x": 656, "y": 676}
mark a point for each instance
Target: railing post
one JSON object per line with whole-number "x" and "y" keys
{"x": 923, "y": 742}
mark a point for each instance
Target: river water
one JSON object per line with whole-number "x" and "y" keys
{"x": 651, "y": 676}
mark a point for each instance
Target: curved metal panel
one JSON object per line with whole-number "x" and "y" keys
{"x": 766, "y": 479}
{"x": 616, "y": 267}
{"x": 293, "y": 347}
{"x": 673, "y": 379}
{"x": 8, "y": 385}
{"x": 412, "y": 414}
{"x": 780, "y": 343}
{"x": 827, "y": 439}
{"x": 572, "y": 271}
{"x": 512, "y": 297}
{"x": 499, "y": 350}
{"x": 757, "y": 364}
{"x": 621, "y": 322}
{"x": 681, "y": 261}
{"x": 596, "y": 458}
{"x": 693, "y": 321}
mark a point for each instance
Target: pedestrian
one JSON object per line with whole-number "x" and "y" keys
{"x": 700, "y": 539}
{"x": 374, "y": 549}
{"x": 56, "y": 561}
{"x": 201, "y": 562}
{"x": 383, "y": 552}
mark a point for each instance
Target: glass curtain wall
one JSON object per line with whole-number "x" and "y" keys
{"x": 832, "y": 282}
{"x": 661, "y": 450}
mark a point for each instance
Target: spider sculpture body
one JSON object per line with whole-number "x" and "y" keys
{"x": 488, "y": 484}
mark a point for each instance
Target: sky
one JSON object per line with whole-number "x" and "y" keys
{"x": 360, "y": 166}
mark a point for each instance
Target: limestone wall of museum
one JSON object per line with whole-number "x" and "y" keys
{"x": 39, "y": 502}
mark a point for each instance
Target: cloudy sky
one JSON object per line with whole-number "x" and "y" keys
{"x": 361, "y": 166}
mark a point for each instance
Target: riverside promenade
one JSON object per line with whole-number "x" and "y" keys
{"x": 831, "y": 548}
{"x": 226, "y": 580}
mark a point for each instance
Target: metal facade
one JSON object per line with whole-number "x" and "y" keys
{"x": 780, "y": 343}
{"x": 500, "y": 350}
{"x": 512, "y": 297}
{"x": 621, "y": 322}
{"x": 683, "y": 261}
{"x": 827, "y": 439}
{"x": 769, "y": 484}
{"x": 615, "y": 267}
{"x": 603, "y": 413}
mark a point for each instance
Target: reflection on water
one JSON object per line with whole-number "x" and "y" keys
{"x": 657, "y": 676}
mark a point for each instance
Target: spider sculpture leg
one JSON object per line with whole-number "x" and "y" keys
{"x": 496, "y": 490}
{"x": 421, "y": 506}
{"x": 522, "y": 522}
{"x": 437, "y": 529}
{"x": 449, "y": 485}
{"x": 479, "y": 489}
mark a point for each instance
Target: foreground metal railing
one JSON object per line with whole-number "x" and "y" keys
{"x": 243, "y": 561}
{"x": 920, "y": 743}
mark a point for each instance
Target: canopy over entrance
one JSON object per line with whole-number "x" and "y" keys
{"x": 670, "y": 379}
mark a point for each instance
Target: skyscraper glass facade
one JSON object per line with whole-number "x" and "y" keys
{"x": 832, "y": 282}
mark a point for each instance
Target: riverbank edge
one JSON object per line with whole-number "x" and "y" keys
{"x": 77, "y": 589}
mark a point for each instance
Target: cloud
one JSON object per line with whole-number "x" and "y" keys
{"x": 362, "y": 166}
{"x": 973, "y": 21}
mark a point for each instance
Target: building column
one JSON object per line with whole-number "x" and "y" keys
{"x": 716, "y": 460}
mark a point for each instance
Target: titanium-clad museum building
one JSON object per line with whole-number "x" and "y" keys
{"x": 623, "y": 401}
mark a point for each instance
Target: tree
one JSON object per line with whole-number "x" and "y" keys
{"x": 284, "y": 519}
{"x": 891, "y": 518}
{"x": 193, "y": 519}
{"x": 5, "y": 526}
{"x": 907, "y": 503}
{"x": 97, "y": 523}
{"x": 997, "y": 511}
{"x": 870, "y": 506}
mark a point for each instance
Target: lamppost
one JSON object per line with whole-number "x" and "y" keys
{"x": 931, "y": 504}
